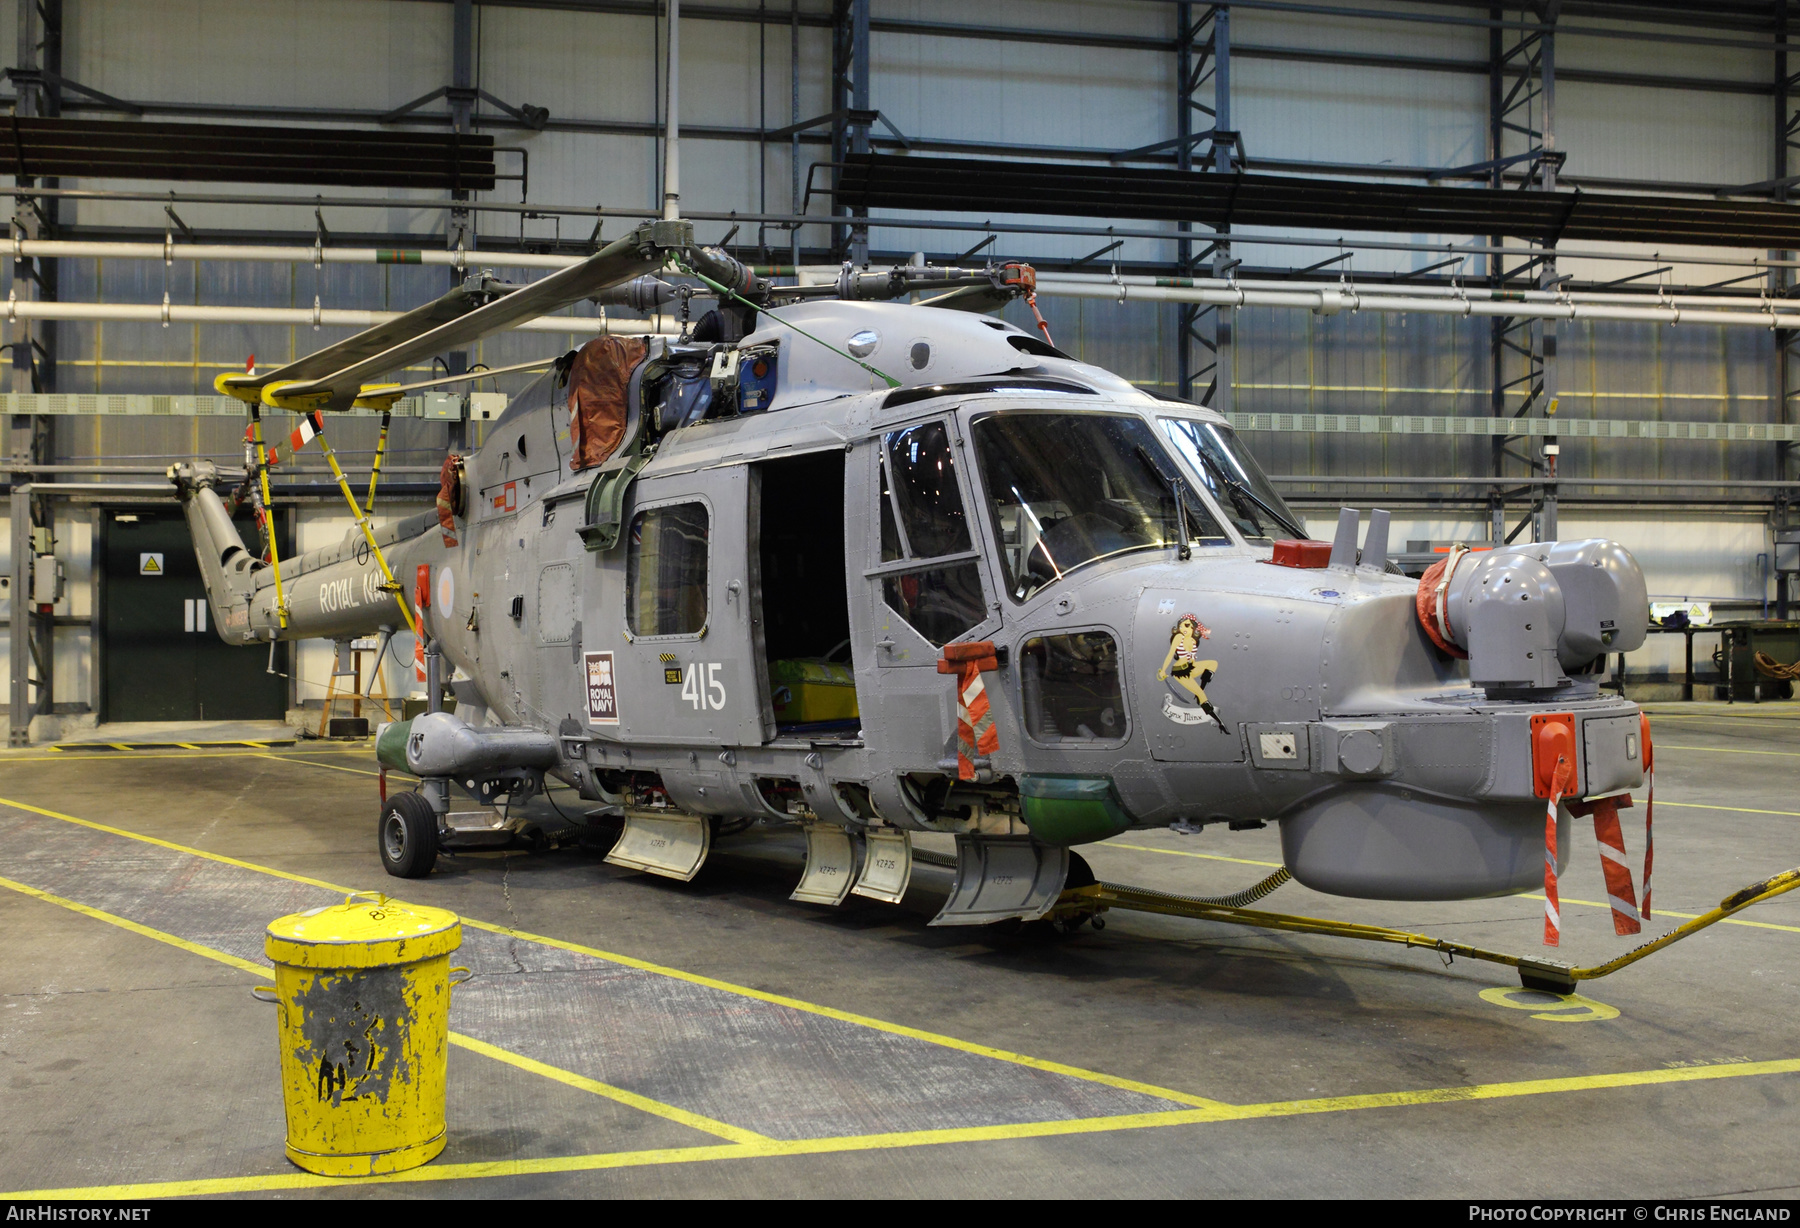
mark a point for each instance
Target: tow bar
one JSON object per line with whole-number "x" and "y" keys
{"x": 1080, "y": 904}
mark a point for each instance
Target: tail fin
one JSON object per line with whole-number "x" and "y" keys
{"x": 228, "y": 569}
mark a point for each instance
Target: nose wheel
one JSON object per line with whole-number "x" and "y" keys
{"x": 407, "y": 836}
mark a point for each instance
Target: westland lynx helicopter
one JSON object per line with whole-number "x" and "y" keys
{"x": 880, "y": 568}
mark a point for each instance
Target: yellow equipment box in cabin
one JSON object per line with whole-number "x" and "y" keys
{"x": 364, "y": 994}
{"x": 808, "y": 690}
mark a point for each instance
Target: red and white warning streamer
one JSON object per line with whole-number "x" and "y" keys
{"x": 1619, "y": 891}
{"x": 1553, "y": 767}
{"x": 308, "y": 430}
{"x": 1554, "y": 772}
{"x": 976, "y": 736}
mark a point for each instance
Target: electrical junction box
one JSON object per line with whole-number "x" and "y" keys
{"x": 441, "y": 407}
{"x": 46, "y": 579}
{"x": 1787, "y": 550}
{"x": 486, "y": 406}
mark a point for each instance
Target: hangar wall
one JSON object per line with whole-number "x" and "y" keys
{"x": 346, "y": 61}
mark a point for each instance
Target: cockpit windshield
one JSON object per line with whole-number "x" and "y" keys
{"x": 1236, "y": 481}
{"x": 1067, "y": 489}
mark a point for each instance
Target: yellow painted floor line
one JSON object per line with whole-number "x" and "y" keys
{"x": 1730, "y": 750}
{"x": 169, "y": 844}
{"x": 134, "y": 756}
{"x": 1788, "y": 814}
{"x": 1660, "y": 911}
{"x": 631, "y": 1099}
{"x": 927, "y": 1138}
{"x": 1145, "y": 848}
{"x": 879, "y": 1025}
{"x": 144, "y": 931}
{"x": 330, "y": 767}
{"x": 699, "y": 1122}
{"x": 812, "y": 1008}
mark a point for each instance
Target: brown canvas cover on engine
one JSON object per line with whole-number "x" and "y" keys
{"x": 599, "y": 383}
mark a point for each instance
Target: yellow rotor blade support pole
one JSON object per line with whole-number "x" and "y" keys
{"x": 368, "y": 532}
{"x": 380, "y": 451}
{"x": 262, "y": 478}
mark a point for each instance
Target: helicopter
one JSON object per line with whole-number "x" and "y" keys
{"x": 880, "y": 567}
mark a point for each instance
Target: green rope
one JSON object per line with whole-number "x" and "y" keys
{"x": 724, "y": 291}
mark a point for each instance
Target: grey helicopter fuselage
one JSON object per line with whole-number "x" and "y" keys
{"x": 1153, "y": 665}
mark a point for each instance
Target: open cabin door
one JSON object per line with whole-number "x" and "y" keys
{"x": 802, "y": 629}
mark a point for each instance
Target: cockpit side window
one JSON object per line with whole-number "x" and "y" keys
{"x": 1067, "y": 489}
{"x": 923, "y": 522}
{"x": 892, "y": 547}
{"x": 926, "y": 496}
{"x": 1233, "y": 478}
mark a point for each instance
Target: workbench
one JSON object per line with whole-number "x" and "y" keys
{"x": 1731, "y": 632}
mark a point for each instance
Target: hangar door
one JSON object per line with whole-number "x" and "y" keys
{"x": 162, "y": 658}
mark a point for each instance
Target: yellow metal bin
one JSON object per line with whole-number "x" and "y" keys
{"x": 364, "y": 994}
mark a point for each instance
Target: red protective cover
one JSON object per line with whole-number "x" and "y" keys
{"x": 422, "y": 587}
{"x": 599, "y": 389}
{"x": 1553, "y": 738}
{"x": 980, "y": 652}
{"x": 1426, "y": 605}
{"x": 1290, "y": 553}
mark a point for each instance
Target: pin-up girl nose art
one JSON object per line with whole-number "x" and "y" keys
{"x": 1187, "y": 675}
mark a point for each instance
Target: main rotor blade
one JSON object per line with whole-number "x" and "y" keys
{"x": 641, "y": 251}
{"x": 468, "y": 377}
{"x": 458, "y": 302}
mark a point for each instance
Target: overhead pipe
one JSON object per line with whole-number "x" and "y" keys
{"x": 1326, "y": 300}
{"x": 318, "y": 317}
{"x": 170, "y": 251}
{"x": 1320, "y": 297}
{"x": 1332, "y": 299}
{"x": 1048, "y": 282}
{"x": 1454, "y": 290}
{"x": 1170, "y": 289}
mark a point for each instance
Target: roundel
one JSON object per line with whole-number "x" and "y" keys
{"x": 446, "y": 590}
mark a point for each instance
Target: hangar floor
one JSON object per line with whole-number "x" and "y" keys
{"x": 629, "y": 1036}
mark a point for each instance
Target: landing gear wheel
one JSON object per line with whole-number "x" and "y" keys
{"x": 407, "y": 836}
{"x": 1081, "y": 874}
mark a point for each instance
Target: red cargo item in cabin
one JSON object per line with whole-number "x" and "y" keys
{"x": 1290, "y": 553}
{"x": 599, "y": 395}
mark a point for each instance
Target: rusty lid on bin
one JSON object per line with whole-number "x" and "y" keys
{"x": 368, "y": 930}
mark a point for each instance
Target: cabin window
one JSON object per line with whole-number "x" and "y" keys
{"x": 923, "y": 520}
{"x": 1071, "y": 688}
{"x": 1069, "y": 489}
{"x": 665, "y": 571}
